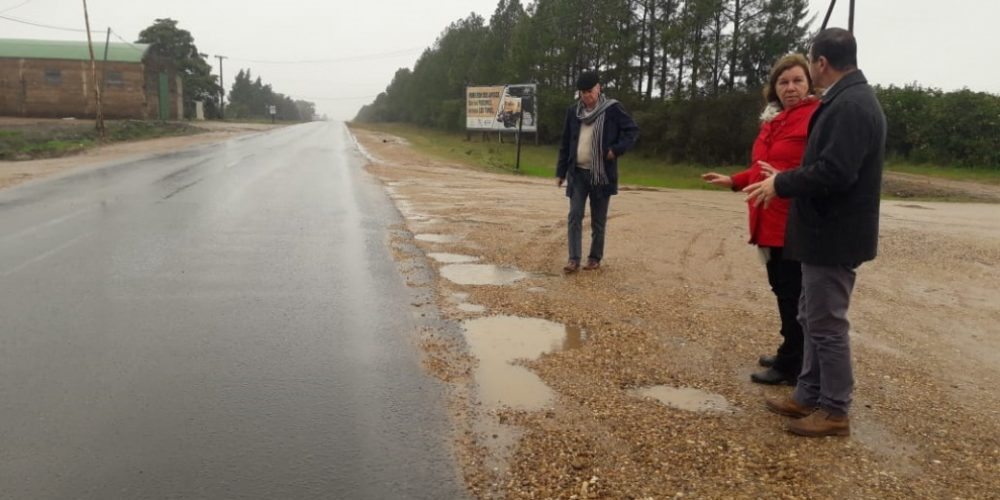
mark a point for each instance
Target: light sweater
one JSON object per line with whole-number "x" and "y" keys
{"x": 583, "y": 148}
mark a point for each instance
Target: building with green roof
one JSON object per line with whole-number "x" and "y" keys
{"x": 54, "y": 78}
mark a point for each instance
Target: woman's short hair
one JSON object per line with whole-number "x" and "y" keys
{"x": 784, "y": 64}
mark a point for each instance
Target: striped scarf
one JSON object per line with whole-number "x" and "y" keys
{"x": 598, "y": 176}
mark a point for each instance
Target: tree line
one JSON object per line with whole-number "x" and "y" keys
{"x": 251, "y": 98}
{"x": 248, "y": 99}
{"x": 690, "y": 71}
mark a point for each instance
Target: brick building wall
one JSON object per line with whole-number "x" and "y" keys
{"x": 64, "y": 88}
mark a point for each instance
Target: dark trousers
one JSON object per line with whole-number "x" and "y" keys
{"x": 785, "y": 277}
{"x": 581, "y": 190}
{"x": 827, "y": 377}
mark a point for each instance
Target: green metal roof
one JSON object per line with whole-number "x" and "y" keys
{"x": 75, "y": 51}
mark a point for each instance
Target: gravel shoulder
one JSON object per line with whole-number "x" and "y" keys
{"x": 683, "y": 301}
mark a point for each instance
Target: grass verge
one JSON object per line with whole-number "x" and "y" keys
{"x": 539, "y": 161}
{"x": 981, "y": 175}
{"x": 55, "y": 139}
{"x": 637, "y": 169}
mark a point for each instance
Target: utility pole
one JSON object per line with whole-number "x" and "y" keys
{"x": 104, "y": 66}
{"x": 93, "y": 70}
{"x": 222, "y": 90}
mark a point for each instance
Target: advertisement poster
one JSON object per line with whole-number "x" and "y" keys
{"x": 498, "y": 107}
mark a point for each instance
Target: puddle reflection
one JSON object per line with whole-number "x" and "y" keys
{"x": 686, "y": 398}
{"x": 481, "y": 274}
{"x": 435, "y": 238}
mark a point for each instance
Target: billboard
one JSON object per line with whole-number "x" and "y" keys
{"x": 496, "y": 107}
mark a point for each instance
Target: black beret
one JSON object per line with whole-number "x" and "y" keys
{"x": 587, "y": 80}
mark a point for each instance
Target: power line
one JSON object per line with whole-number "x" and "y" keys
{"x": 358, "y": 98}
{"x": 335, "y": 60}
{"x": 40, "y": 25}
{"x": 137, "y": 49}
{"x": 22, "y": 4}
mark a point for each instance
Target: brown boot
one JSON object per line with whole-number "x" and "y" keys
{"x": 821, "y": 423}
{"x": 788, "y": 407}
{"x": 592, "y": 264}
{"x": 571, "y": 267}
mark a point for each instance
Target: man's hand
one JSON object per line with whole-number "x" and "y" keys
{"x": 559, "y": 181}
{"x": 767, "y": 169}
{"x": 611, "y": 155}
{"x": 761, "y": 192}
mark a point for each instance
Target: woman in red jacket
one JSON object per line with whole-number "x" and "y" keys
{"x": 779, "y": 146}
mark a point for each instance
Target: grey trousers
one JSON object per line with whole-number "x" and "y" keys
{"x": 582, "y": 189}
{"x": 827, "y": 378}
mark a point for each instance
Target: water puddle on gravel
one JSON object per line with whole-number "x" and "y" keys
{"x": 498, "y": 342}
{"x": 471, "y": 308}
{"x": 481, "y": 274}
{"x": 437, "y": 238}
{"x": 452, "y": 258}
{"x": 686, "y": 398}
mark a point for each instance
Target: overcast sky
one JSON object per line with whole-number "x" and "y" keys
{"x": 949, "y": 45}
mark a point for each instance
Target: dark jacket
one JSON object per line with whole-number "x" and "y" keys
{"x": 834, "y": 214}
{"x": 620, "y": 134}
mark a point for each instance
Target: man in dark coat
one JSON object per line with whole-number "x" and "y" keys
{"x": 596, "y": 133}
{"x": 832, "y": 229}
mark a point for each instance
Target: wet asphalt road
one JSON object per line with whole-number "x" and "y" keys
{"x": 223, "y": 322}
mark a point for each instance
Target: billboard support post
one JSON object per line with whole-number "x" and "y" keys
{"x": 520, "y": 124}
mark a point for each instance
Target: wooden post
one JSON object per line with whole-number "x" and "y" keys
{"x": 850, "y": 21}
{"x": 520, "y": 122}
{"x": 829, "y": 12}
{"x": 93, "y": 71}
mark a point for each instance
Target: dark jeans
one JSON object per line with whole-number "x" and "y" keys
{"x": 581, "y": 190}
{"x": 785, "y": 277}
{"x": 827, "y": 378}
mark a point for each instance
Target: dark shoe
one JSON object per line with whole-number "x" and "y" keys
{"x": 592, "y": 264}
{"x": 771, "y": 376}
{"x": 571, "y": 267}
{"x": 767, "y": 361}
{"x": 788, "y": 407}
{"x": 821, "y": 423}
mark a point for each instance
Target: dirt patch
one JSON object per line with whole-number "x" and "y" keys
{"x": 901, "y": 185}
{"x": 16, "y": 172}
{"x": 682, "y": 301}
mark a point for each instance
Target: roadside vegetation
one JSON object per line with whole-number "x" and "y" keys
{"x": 45, "y": 139}
{"x": 538, "y": 161}
{"x": 637, "y": 168}
{"x": 690, "y": 72}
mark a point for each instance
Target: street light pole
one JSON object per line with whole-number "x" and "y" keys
{"x": 222, "y": 90}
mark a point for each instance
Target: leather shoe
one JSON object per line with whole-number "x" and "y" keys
{"x": 771, "y": 376}
{"x": 821, "y": 423}
{"x": 767, "y": 361}
{"x": 571, "y": 267}
{"x": 788, "y": 407}
{"x": 592, "y": 264}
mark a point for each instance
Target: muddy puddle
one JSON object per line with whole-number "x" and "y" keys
{"x": 686, "y": 398}
{"x": 436, "y": 238}
{"x": 498, "y": 342}
{"x": 471, "y": 308}
{"x": 452, "y": 258}
{"x": 481, "y": 274}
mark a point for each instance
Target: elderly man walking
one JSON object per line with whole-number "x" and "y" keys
{"x": 832, "y": 229}
{"x": 597, "y": 131}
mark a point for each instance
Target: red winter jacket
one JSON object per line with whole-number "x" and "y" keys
{"x": 781, "y": 143}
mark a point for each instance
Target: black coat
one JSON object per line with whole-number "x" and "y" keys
{"x": 835, "y": 208}
{"x": 620, "y": 134}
